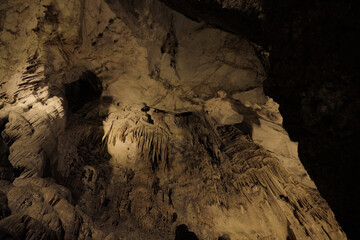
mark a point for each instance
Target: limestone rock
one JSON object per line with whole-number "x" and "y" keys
{"x": 127, "y": 120}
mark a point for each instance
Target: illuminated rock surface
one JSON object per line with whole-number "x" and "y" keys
{"x": 125, "y": 121}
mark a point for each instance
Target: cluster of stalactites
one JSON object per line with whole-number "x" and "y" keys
{"x": 153, "y": 144}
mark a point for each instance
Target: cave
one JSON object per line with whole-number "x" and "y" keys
{"x": 82, "y": 91}
{"x": 182, "y": 232}
{"x": 169, "y": 119}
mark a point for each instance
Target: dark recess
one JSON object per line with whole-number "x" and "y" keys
{"x": 82, "y": 91}
{"x": 314, "y": 77}
{"x": 7, "y": 172}
{"x": 182, "y": 233}
{"x": 224, "y": 237}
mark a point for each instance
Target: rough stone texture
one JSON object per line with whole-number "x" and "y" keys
{"x": 243, "y": 17}
{"x": 313, "y": 76}
{"x": 177, "y": 129}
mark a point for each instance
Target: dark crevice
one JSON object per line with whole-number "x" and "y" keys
{"x": 170, "y": 197}
{"x": 82, "y": 91}
{"x": 182, "y": 233}
{"x": 224, "y": 237}
{"x": 7, "y": 172}
{"x": 149, "y": 119}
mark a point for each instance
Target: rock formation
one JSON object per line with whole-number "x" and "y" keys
{"x": 128, "y": 120}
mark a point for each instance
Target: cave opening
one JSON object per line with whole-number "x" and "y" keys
{"x": 182, "y": 233}
{"x": 87, "y": 88}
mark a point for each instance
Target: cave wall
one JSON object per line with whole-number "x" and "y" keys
{"x": 317, "y": 45}
{"x": 165, "y": 142}
{"x": 313, "y": 76}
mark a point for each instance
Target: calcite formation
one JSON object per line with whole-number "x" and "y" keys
{"x": 128, "y": 120}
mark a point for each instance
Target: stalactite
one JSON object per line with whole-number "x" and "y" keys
{"x": 153, "y": 144}
{"x": 151, "y": 126}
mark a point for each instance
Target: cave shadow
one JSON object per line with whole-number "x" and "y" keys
{"x": 7, "y": 172}
{"x": 89, "y": 170}
{"x": 182, "y": 233}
